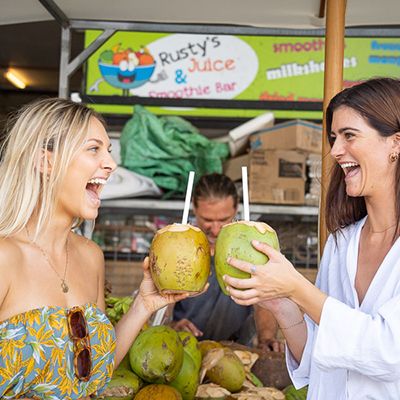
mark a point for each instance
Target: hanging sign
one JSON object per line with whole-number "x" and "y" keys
{"x": 198, "y": 66}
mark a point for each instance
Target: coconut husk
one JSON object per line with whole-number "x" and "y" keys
{"x": 248, "y": 358}
{"x": 210, "y": 391}
{"x": 264, "y": 393}
{"x": 210, "y": 361}
{"x": 270, "y": 367}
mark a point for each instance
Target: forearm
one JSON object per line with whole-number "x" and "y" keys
{"x": 291, "y": 322}
{"x": 308, "y": 297}
{"x": 129, "y": 327}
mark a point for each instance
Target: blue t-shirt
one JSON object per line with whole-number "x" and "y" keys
{"x": 217, "y": 315}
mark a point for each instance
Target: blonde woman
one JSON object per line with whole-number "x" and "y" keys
{"x": 55, "y": 340}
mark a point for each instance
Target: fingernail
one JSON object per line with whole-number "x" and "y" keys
{"x": 256, "y": 242}
{"x": 229, "y": 259}
{"x": 224, "y": 277}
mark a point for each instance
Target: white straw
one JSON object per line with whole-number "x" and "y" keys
{"x": 188, "y": 197}
{"x": 245, "y": 195}
{"x": 159, "y": 316}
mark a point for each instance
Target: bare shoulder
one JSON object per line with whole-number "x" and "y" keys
{"x": 88, "y": 251}
{"x": 11, "y": 257}
{"x": 10, "y": 253}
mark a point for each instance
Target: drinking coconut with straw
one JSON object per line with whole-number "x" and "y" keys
{"x": 234, "y": 240}
{"x": 180, "y": 254}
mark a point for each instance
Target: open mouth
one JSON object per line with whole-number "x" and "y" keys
{"x": 94, "y": 187}
{"x": 126, "y": 79}
{"x": 350, "y": 168}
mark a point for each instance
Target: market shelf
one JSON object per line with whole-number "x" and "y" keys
{"x": 177, "y": 205}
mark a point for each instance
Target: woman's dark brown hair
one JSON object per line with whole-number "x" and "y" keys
{"x": 378, "y": 102}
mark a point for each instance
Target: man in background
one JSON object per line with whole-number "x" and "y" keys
{"x": 213, "y": 315}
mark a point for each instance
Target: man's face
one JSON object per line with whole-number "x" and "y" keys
{"x": 212, "y": 214}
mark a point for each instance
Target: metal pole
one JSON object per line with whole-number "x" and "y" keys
{"x": 333, "y": 83}
{"x": 63, "y": 85}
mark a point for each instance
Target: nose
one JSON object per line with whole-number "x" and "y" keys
{"x": 215, "y": 228}
{"x": 109, "y": 164}
{"x": 337, "y": 150}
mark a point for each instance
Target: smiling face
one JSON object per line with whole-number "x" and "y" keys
{"x": 86, "y": 175}
{"x": 363, "y": 154}
{"x": 212, "y": 214}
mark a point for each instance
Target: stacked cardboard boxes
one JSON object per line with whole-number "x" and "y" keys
{"x": 278, "y": 161}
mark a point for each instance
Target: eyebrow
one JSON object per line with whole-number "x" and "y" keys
{"x": 347, "y": 128}
{"x": 100, "y": 142}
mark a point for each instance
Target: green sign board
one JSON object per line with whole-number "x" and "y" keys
{"x": 225, "y": 67}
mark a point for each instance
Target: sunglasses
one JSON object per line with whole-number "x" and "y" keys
{"x": 79, "y": 333}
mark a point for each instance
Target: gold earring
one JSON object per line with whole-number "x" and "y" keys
{"x": 393, "y": 157}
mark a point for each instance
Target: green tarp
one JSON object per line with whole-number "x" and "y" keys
{"x": 166, "y": 148}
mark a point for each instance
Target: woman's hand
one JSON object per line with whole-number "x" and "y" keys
{"x": 274, "y": 280}
{"x": 148, "y": 293}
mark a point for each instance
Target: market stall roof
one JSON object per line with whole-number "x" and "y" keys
{"x": 297, "y": 14}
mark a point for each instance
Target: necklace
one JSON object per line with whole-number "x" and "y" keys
{"x": 64, "y": 286}
{"x": 391, "y": 226}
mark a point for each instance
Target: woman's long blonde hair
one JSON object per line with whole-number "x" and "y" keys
{"x": 27, "y": 184}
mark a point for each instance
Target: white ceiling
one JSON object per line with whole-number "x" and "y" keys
{"x": 262, "y": 13}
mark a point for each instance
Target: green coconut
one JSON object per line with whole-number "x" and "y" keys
{"x": 191, "y": 347}
{"x": 229, "y": 372}
{"x": 291, "y": 393}
{"x": 158, "y": 392}
{"x": 123, "y": 385}
{"x": 187, "y": 380}
{"x": 206, "y": 345}
{"x": 234, "y": 240}
{"x": 180, "y": 259}
{"x": 125, "y": 363}
{"x": 156, "y": 355}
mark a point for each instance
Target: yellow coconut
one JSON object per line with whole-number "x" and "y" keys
{"x": 180, "y": 259}
{"x": 234, "y": 240}
{"x": 158, "y": 392}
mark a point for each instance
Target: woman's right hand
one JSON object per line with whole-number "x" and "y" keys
{"x": 149, "y": 295}
{"x": 274, "y": 280}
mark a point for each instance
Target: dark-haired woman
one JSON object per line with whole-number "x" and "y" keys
{"x": 343, "y": 335}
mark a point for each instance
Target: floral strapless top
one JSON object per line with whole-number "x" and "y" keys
{"x": 37, "y": 357}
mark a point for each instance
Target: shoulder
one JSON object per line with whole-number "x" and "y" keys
{"x": 88, "y": 250}
{"x": 343, "y": 236}
{"x": 11, "y": 257}
{"x": 10, "y": 254}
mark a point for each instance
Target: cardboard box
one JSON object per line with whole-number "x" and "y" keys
{"x": 291, "y": 135}
{"x": 239, "y": 136}
{"x": 233, "y": 166}
{"x": 277, "y": 176}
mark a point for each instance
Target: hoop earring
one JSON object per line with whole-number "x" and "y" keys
{"x": 393, "y": 157}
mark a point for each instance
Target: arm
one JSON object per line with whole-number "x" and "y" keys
{"x": 352, "y": 339}
{"x": 347, "y": 337}
{"x": 145, "y": 304}
{"x": 292, "y": 294}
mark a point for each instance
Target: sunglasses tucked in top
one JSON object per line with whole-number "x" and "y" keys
{"x": 79, "y": 333}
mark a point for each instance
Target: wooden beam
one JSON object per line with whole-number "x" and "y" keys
{"x": 322, "y": 7}
{"x": 333, "y": 83}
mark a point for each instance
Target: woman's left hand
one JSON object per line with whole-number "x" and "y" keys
{"x": 275, "y": 279}
{"x": 149, "y": 294}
